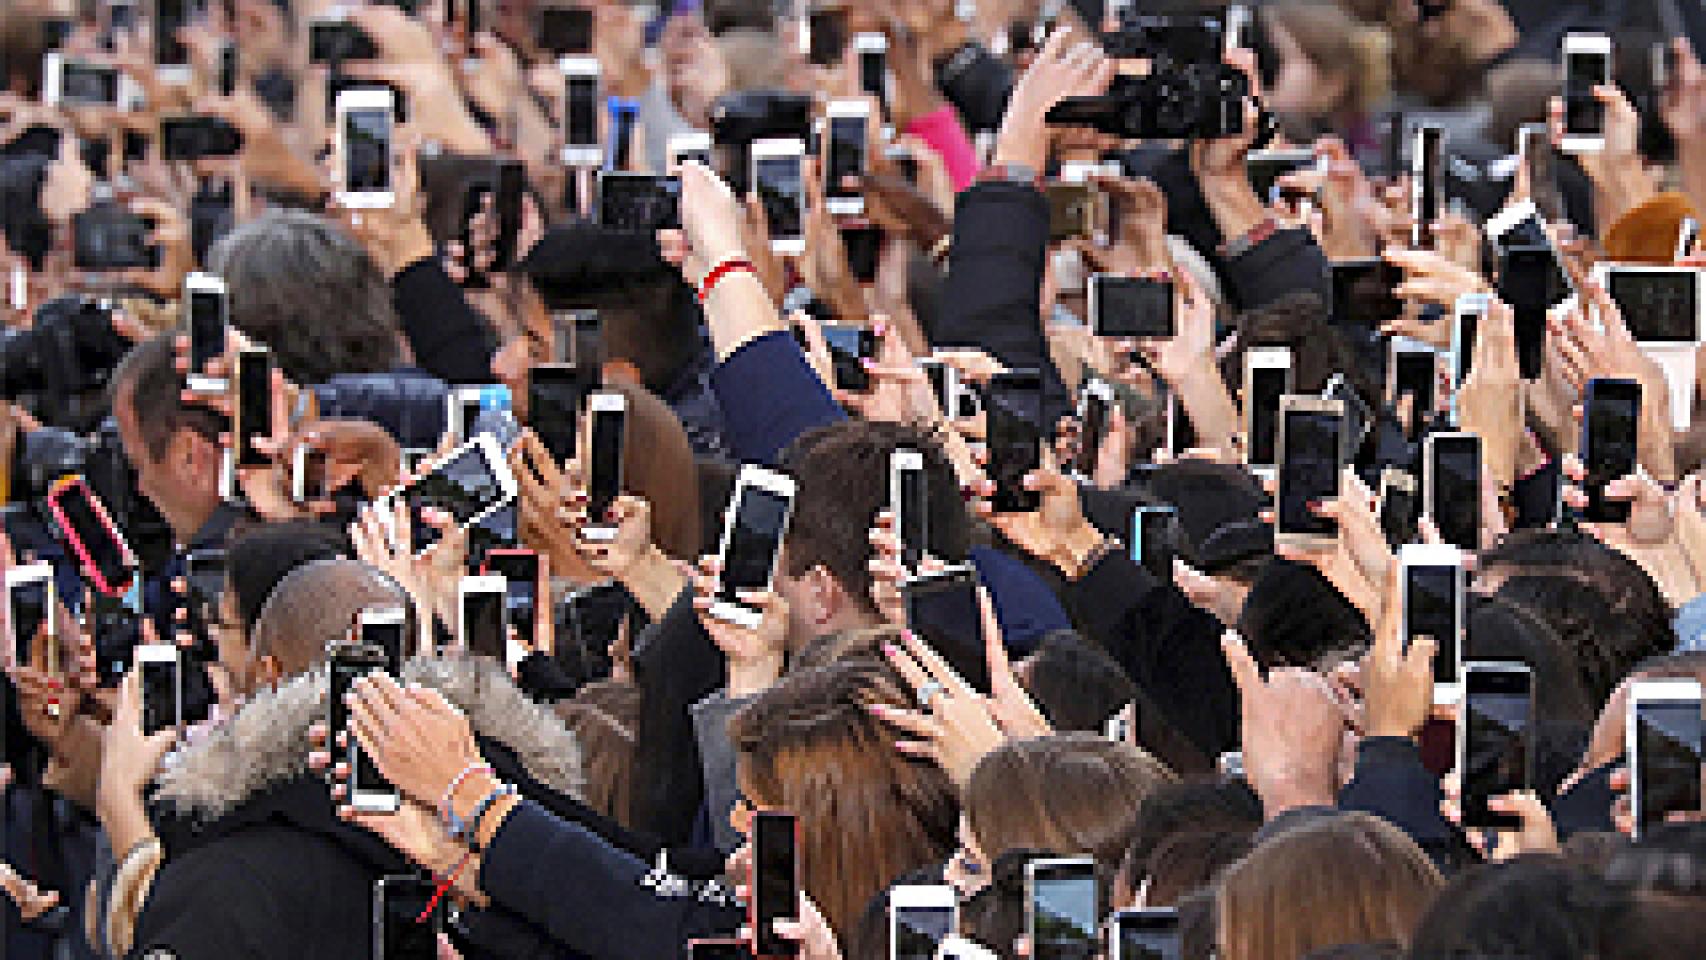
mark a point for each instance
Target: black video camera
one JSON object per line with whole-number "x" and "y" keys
{"x": 63, "y": 361}
{"x": 1190, "y": 93}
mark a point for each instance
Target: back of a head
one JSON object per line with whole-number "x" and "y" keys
{"x": 1334, "y": 40}
{"x": 1294, "y": 617}
{"x": 656, "y": 459}
{"x": 1075, "y": 683}
{"x": 1358, "y": 951}
{"x": 1078, "y": 793}
{"x": 1188, "y": 862}
{"x": 1298, "y": 321}
{"x": 1537, "y": 907}
{"x": 147, "y": 379}
{"x": 311, "y": 293}
{"x": 1347, "y": 878}
{"x": 314, "y": 606}
{"x": 1188, "y": 807}
{"x": 262, "y": 556}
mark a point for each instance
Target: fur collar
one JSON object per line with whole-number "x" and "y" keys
{"x": 266, "y": 742}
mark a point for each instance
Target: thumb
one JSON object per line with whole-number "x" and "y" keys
{"x": 1245, "y": 672}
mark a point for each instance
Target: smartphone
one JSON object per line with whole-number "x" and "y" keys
{"x": 1062, "y": 908}
{"x": 79, "y": 83}
{"x": 873, "y": 52}
{"x": 480, "y": 616}
{"x": 555, "y": 394}
{"x": 1131, "y": 307}
{"x": 864, "y": 245}
{"x": 1362, "y": 293}
{"x": 1095, "y": 406}
{"x": 385, "y": 629}
{"x": 954, "y": 398}
{"x": 1267, "y": 378}
{"x": 1687, "y": 237}
{"x": 30, "y": 603}
{"x": 1412, "y": 368}
{"x": 581, "y": 145}
{"x": 850, "y": 348}
{"x": 405, "y": 924}
{"x": 696, "y": 148}
{"x": 116, "y": 628}
{"x": 332, "y": 39}
{"x": 754, "y": 525}
{"x": 368, "y": 791}
{"x": 184, "y": 139}
{"x": 848, "y": 125}
{"x": 942, "y": 609}
{"x": 363, "y": 153}
{"x": 470, "y": 483}
{"x": 1663, "y": 747}
{"x": 777, "y": 176}
{"x": 254, "y": 405}
{"x": 1433, "y": 607}
{"x": 1466, "y": 317}
{"x": 462, "y": 407}
{"x": 1311, "y": 451}
{"x": 608, "y": 413}
{"x": 565, "y": 30}
{"x": 719, "y": 949}
{"x": 162, "y": 687}
{"x": 1398, "y": 507}
{"x": 1660, "y": 305}
{"x": 826, "y": 36}
{"x": 592, "y": 622}
{"x": 108, "y": 237}
{"x": 1266, "y": 167}
{"x": 1611, "y": 417}
{"x": 1071, "y": 210}
{"x": 207, "y": 312}
{"x": 506, "y": 204}
{"x": 205, "y": 574}
{"x": 171, "y": 57}
{"x": 1587, "y": 64}
{"x": 520, "y": 571}
{"x": 1451, "y": 487}
{"x": 638, "y": 202}
{"x": 102, "y": 552}
{"x": 1494, "y": 739}
{"x": 909, "y": 501}
{"x": 1144, "y": 934}
{"x": 920, "y": 918}
{"x": 227, "y": 69}
{"x": 1427, "y": 183}
{"x": 775, "y": 882}
{"x": 1013, "y": 404}
{"x": 1155, "y": 540}
{"x": 308, "y": 478}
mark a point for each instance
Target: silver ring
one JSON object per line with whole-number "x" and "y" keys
{"x": 928, "y": 691}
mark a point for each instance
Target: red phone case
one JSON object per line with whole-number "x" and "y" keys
{"x": 84, "y": 559}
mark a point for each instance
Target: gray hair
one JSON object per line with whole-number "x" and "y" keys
{"x": 310, "y": 292}
{"x": 313, "y": 607}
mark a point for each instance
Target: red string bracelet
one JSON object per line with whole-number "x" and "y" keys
{"x": 721, "y": 270}
{"x": 444, "y": 887}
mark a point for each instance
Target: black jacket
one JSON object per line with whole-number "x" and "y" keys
{"x": 450, "y": 339}
{"x": 409, "y": 404}
{"x": 676, "y": 665}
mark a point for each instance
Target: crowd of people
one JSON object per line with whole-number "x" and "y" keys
{"x": 1063, "y": 619}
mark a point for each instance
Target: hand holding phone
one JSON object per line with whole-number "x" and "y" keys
{"x": 368, "y": 790}
{"x": 754, "y": 525}
{"x": 1013, "y": 408}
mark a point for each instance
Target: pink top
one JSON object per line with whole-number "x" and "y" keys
{"x": 941, "y": 129}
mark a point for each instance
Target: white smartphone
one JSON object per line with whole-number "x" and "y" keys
{"x": 606, "y": 434}
{"x": 873, "y": 52}
{"x": 162, "y": 687}
{"x": 461, "y": 409}
{"x": 470, "y": 483}
{"x": 206, "y": 310}
{"x": 689, "y": 146}
{"x": 581, "y": 146}
{"x": 956, "y": 947}
{"x": 368, "y": 790}
{"x": 30, "y": 604}
{"x": 1663, "y": 746}
{"x": 910, "y": 504}
{"x": 1433, "y": 606}
{"x": 1144, "y": 934}
{"x": 1451, "y": 487}
{"x": 778, "y": 178}
{"x": 480, "y": 617}
{"x": 363, "y": 150}
{"x": 1587, "y": 64}
{"x": 1465, "y": 321}
{"x": 846, "y": 149}
{"x": 920, "y": 918}
{"x": 1662, "y": 309}
{"x": 384, "y": 628}
{"x": 1267, "y": 378}
{"x": 754, "y": 524}
{"x": 1687, "y": 235}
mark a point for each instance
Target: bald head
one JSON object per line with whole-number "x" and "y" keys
{"x": 313, "y": 608}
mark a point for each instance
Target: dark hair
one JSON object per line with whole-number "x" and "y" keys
{"x": 1606, "y": 609}
{"x": 259, "y": 557}
{"x": 309, "y": 291}
{"x": 1299, "y": 321}
{"x": 1294, "y": 617}
{"x": 1187, "y": 862}
{"x": 655, "y": 458}
{"x": 842, "y": 477}
{"x": 1186, "y": 808}
{"x": 1075, "y": 684}
{"x": 995, "y": 916}
{"x": 1535, "y": 907}
{"x": 1358, "y": 951}
{"x": 148, "y": 378}
{"x": 1669, "y": 859}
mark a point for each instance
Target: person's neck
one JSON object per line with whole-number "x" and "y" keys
{"x": 186, "y": 520}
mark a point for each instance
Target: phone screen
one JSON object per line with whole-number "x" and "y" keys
{"x": 1456, "y": 505}
{"x": 348, "y": 665}
{"x": 873, "y": 73}
{"x": 160, "y": 700}
{"x": 594, "y": 618}
{"x": 1155, "y": 539}
{"x": 555, "y": 395}
{"x": 1497, "y": 710}
{"x": 1014, "y": 421}
{"x": 1659, "y": 307}
{"x": 604, "y": 482}
{"x": 718, "y": 950}
{"x": 521, "y": 588}
{"x": 483, "y": 623}
{"x": 88, "y": 84}
{"x": 782, "y": 192}
{"x": 1094, "y": 414}
{"x": 565, "y": 30}
{"x": 1147, "y": 935}
{"x": 107, "y": 554}
{"x": 914, "y": 519}
{"x": 405, "y": 935}
{"x": 1063, "y": 905}
{"x": 943, "y": 611}
{"x": 1667, "y": 744}
{"x": 1362, "y": 294}
{"x": 1582, "y": 113}
{"x": 919, "y": 930}
{"x": 116, "y": 630}
{"x": 254, "y": 405}
{"x": 849, "y": 347}
{"x": 1398, "y": 515}
{"x": 1610, "y": 431}
{"x": 639, "y": 202}
{"x": 170, "y": 16}
{"x": 846, "y": 155}
{"x": 581, "y": 128}
{"x": 756, "y": 534}
{"x": 1267, "y": 385}
{"x": 1309, "y": 470}
{"x": 1431, "y": 610}
{"x": 828, "y": 36}
{"x": 1133, "y": 307}
{"x": 1413, "y": 372}
{"x": 387, "y": 637}
{"x": 1463, "y": 345}
{"x": 464, "y": 487}
{"x": 1426, "y": 183}
{"x": 207, "y": 327}
{"x": 29, "y": 608}
{"x": 367, "y": 150}
{"x": 775, "y": 891}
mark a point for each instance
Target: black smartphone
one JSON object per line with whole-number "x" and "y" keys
{"x": 639, "y": 202}
{"x": 829, "y": 36}
{"x": 511, "y": 186}
{"x": 719, "y": 950}
{"x": 1311, "y": 450}
{"x": 1131, "y": 307}
{"x": 1494, "y": 739}
{"x": 1610, "y": 429}
{"x": 406, "y": 922}
{"x": 108, "y": 237}
{"x": 1062, "y": 908}
{"x": 1362, "y": 293}
{"x": 1664, "y": 749}
{"x": 117, "y": 630}
{"x": 228, "y": 69}
{"x": 170, "y": 16}
{"x": 1427, "y": 183}
{"x": 873, "y": 50}
{"x": 942, "y": 609}
{"x": 1155, "y": 540}
{"x": 335, "y": 40}
{"x": 609, "y": 429}
{"x": 864, "y": 246}
{"x": 909, "y": 501}
{"x": 775, "y": 888}
{"x": 520, "y": 570}
{"x": 1095, "y": 407}
{"x": 368, "y": 790}
{"x": 1013, "y": 407}
{"x": 1146, "y": 934}
{"x": 592, "y": 622}
{"x": 189, "y": 138}
{"x": 555, "y": 394}
{"x": 565, "y": 30}
{"x": 254, "y": 405}
{"x": 849, "y": 350}
{"x": 1451, "y": 487}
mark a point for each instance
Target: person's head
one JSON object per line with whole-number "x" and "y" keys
{"x": 1076, "y": 793}
{"x": 841, "y": 474}
{"x": 260, "y": 556}
{"x": 1518, "y": 92}
{"x": 1188, "y": 808}
{"x": 173, "y": 445}
{"x": 308, "y": 290}
{"x": 1329, "y": 65}
{"x": 1187, "y": 862}
{"x": 23, "y": 43}
{"x": 867, "y": 813}
{"x": 1347, "y": 878}
{"x": 1075, "y": 683}
{"x": 1294, "y": 617}
{"x": 603, "y": 717}
{"x": 312, "y": 608}
{"x": 1536, "y": 907}
{"x": 1298, "y": 321}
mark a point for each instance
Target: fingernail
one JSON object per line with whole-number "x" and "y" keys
{"x": 889, "y": 649}
{"x": 880, "y": 328}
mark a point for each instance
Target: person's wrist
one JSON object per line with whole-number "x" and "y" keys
{"x": 1022, "y": 142}
{"x": 470, "y": 792}
{"x": 1074, "y": 547}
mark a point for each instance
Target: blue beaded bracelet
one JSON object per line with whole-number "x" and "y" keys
{"x": 485, "y": 804}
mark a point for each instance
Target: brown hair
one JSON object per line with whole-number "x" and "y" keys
{"x": 867, "y": 813}
{"x": 603, "y": 716}
{"x": 1073, "y": 793}
{"x": 1334, "y": 41}
{"x": 657, "y": 464}
{"x": 1344, "y": 878}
